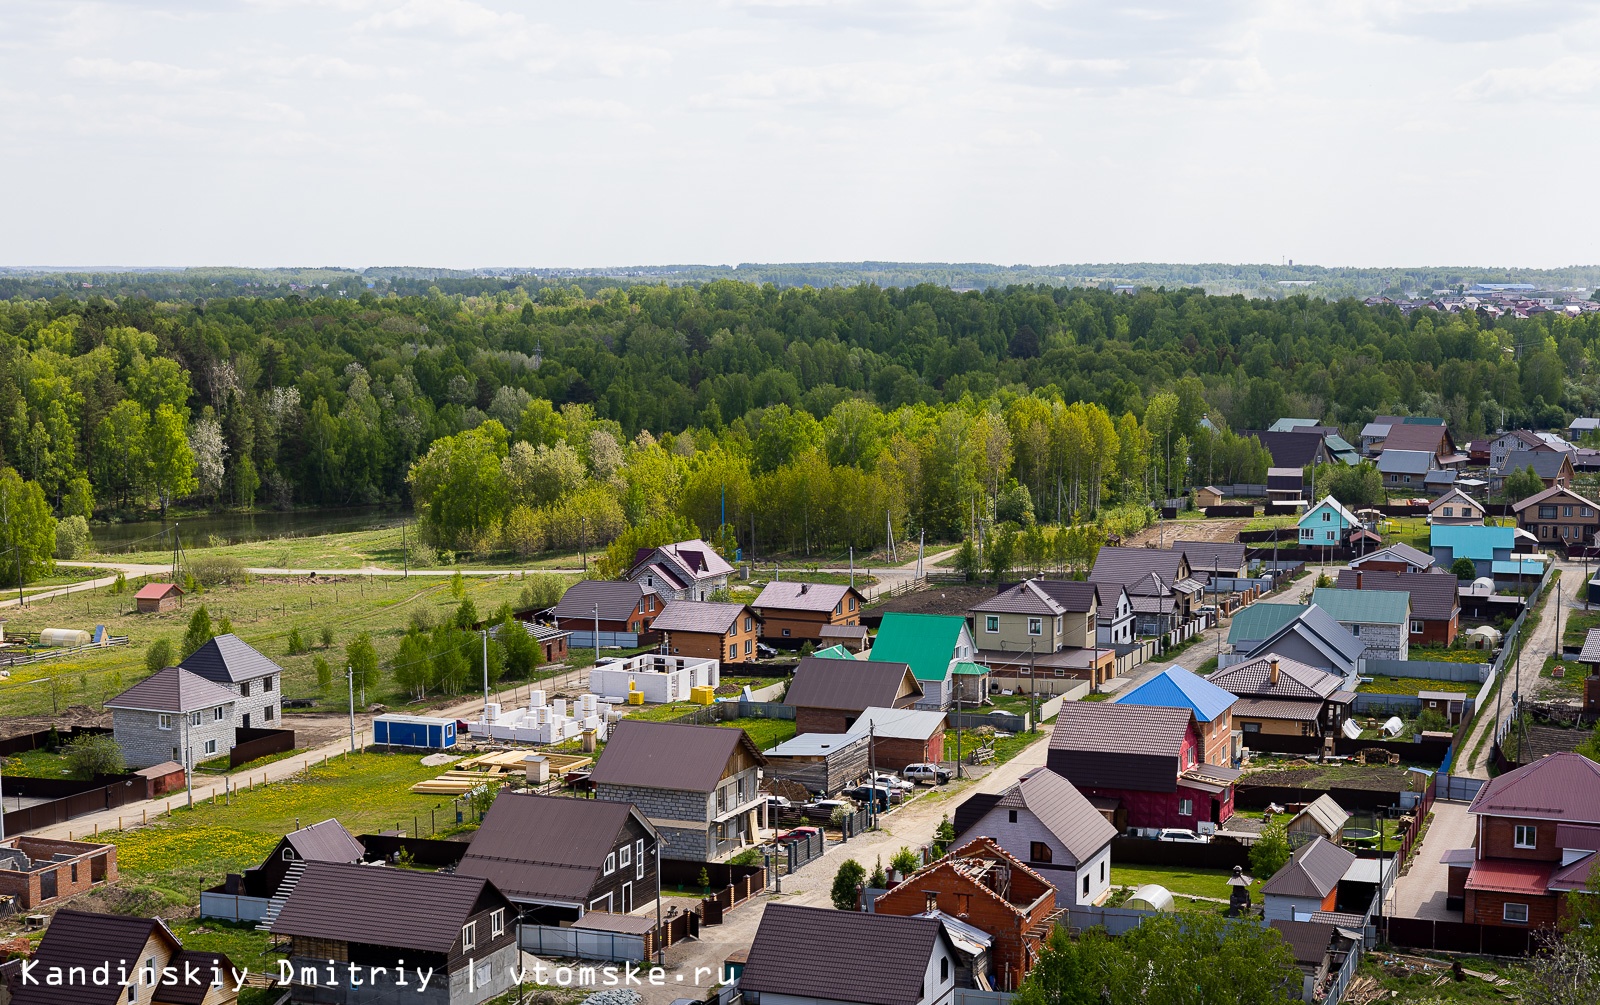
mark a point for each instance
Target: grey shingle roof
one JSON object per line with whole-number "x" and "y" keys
{"x": 1251, "y": 679}
{"x": 326, "y": 841}
{"x": 617, "y": 599}
{"x": 1212, "y": 556}
{"x": 1399, "y": 551}
{"x": 816, "y": 954}
{"x": 705, "y": 616}
{"x": 1318, "y": 628}
{"x": 847, "y": 685}
{"x": 1313, "y": 870}
{"x": 670, "y": 755}
{"x": 546, "y": 846}
{"x": 1405, "y": 462}
{"x": 1063, "y": 811}
{"x": 1127, "y": 566}
{"x": 1545, "y": 463}
{"x": 358, "y": 903}
{"x": 790, "y": 596}
{"x": 690, "y": 560}
{"x": 1434, "y": 597}
{"x": 228, "y": 659}
{"x": 173, "y": 690}
{"x": 1591, "y": 647}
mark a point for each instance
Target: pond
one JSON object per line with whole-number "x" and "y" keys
{"x": 232, "y": 528}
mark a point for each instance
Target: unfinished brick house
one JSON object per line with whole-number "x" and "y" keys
{"x": 985, "y": 886}
{"x": 40, "y": 871}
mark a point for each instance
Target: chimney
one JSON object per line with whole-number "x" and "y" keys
{"x": 803, "y": 588}
{"x": 1358, "y": 579}
{"x": 1272, "y": 671}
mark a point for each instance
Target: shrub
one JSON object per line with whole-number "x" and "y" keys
{"x": 327, "y": 636}
{"x": 198, "y": 633}
{"x": 95, "y": 755}
{"x": 880, "y": 879}
{"x": 905, "y": 861}
{"x": 297, "y": 645}
{"x": 1270, "y": 852}
{"x": 540, "y": 591}
{"x": 1431, "y": 721}
{"x": 458, "y": 585}
{"x": 1463, "y": 568}
{"x": 73, "y": 539}
{"x": 324, "y": 674}
{"x": 159, "y": 655}
{"x": 846, "y": 890}
{"x": 218, "y": 570}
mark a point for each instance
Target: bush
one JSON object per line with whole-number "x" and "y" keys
{"x": 541, "y": 591}
{"x": 89, "y": 756}
{"x": 73, "y": 539}
{"x": 846, "y": 892}
{"x": 1270, "y": 852}
{"x": 159, "y": 655}
{"x": 297, "y": 645}
{"x": 420, "y": 554}
{"x": 324, "y": 675}
{"x": 218, "y": 570}
{"x": 1464, "y": 568}
{"x": 1431, "y": 721}
{"x": 327, "y": 637}
{"x": 905, "y": 861}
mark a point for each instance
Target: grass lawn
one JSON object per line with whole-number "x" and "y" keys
{"x": 766, "y": 733}
{"x": 38, "y": 764}
{"x": 1411, "y": 977}
{"x": 1180, "y": 881}
{"x": 262, "y": 611}
{"x": 1577, "y": 626}
{"x": 1270, "y": 523}
{"x": 1411, "y": 685}
{"x": 1571, "y": 680}
{"x": 1005, "y": 748}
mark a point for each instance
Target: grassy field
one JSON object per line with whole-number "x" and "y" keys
{"x": 1412, "y": 978}
{"x": 1180, "y": 881}
{"x": 1577, "y": 625}
{"x": 766, "y": 733}
{"x": 263, "y": 612}
{"x": 1411, "y": 685}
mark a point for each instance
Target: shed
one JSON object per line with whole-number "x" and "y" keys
{"x": 823, "y": 762}
{"x": 1209, "y": 495}
{"x": 1323, "y": 817}
{"x": 157, "y": 598}
{"x": 414, "y": 731}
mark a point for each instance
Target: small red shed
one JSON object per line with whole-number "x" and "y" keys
{"x": 154, "y": 598}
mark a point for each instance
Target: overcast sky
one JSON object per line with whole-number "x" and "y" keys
{"x": 483, "y": 132}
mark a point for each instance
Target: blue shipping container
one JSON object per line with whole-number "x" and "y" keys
{"x": 414, "y": 731}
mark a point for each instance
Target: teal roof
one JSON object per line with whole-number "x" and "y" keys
{"x": 971, "y": 669}
{"x": 835, "y": 653}
{"x": 925, "y": 642}
{"x": 1476, "y": 543}
{"x": 1364, "y": 607}
{"x": 1260, "y": 620}
{"x": 1176, "y": 687}
{"x": 1528, "y": 565}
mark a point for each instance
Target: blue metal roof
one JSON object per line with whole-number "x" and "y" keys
{"x": 1476, "y": 543}
{"x": 1176, "y": 687}
{"x": 1529, "y": 566}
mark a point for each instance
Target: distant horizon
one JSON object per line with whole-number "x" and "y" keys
{"x": 782, "y": 263}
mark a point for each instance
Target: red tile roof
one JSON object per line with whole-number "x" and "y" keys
{"x": 1500, "y": 875}
{"x": 1563, "y": 786}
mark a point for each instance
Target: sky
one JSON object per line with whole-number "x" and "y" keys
{"x": 480, "y": 133}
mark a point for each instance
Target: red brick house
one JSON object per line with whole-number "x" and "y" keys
{"x": 985, "y": 886}
{"x": 829, "y": 695}
{"x": 1143, "y": 761}
{"x": 41, "y": 871}
{"x": 1538, "y": 838}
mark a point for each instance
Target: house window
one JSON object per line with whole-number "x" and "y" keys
{"x": 1516, "y": 914}
{"x": 944, "y": 968}
{"x": 611, "y": 863}
{"x": 210, "y": 747}
{"x": 1086, "y": 886}
{"x": 853, "y": 599}
{"x": 638, "y": 859}
{"x": 288, "y": 854}
{"x": 1416, "y": 627}
{"x": 217, "y": 713}
{"x": 1102, "y": 870}
{"x": 268, "y": 712}
{"x": 1326, "y": 516}
{"x": 1355, "y": 630}
{"x": 991, "y": 623}
{"x": 1035, "y": 626}
{"x": 1526, "y": 836}
{"x": 733, "y": 651}
{"x": 839, "y": 607}
{"x": 163, "y": 721}
{"x": 266, "y": 684}
{"x": 175, "y": 754}
{"x": 1186, "y": 807}
{"x": 1038, "y": 851}
{"x": 1566, "y": 511}
{"x": 1058, "y": 624}
{"x": 747, "y": 647}
{"x": 786, "y": 633}
{"x": 747, "y": 623}
{"x": 1449, "y": 511}
{"x": 244, "y": 689}
{"x": 1547, "y": 512}
{"x": 626, "y": 851}
{"x": 1011, "y": 816}
{"x": 497, "y": 922}
{"x": 469, "y": 935}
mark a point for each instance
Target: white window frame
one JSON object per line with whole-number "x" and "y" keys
{"x": 497, "y": 922}
{"x": 163, "y": 721}
{"x": 218, "y": 713}
{"x": 1509, "y": 911}
{"x": 195, "y": 718}
{"x": 638, "y": 859}
{"x": 625, "y": 857}
{"x": 1035, "y": 626}
{"x": 1416, "y": 627}
{"x": 469, "y": 935}
{"x": 209, "y": 747}
{"x": 611, "y": 863}
{"x": 1186, "y": 807}
{"x": 1532, "y": 841}
{"x": 991, "y": 624}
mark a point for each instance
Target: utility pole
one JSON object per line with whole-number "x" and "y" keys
{"x": 583, "y": 552}
{"x": 958, "y": 731}
{"x": 852, "y": 567}
{"x": 405, "y": 556}
{"x": 350, "y": 678}
{"x": 486, "y": 669}
{"x": 597, "y": 632}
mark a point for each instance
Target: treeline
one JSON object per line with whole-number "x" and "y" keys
{"x": 837, "y": 403}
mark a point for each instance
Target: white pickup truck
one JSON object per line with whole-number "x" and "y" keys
{"x": 926, "y": 773}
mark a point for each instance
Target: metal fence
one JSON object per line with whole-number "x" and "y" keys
{"x": 581, "y": 943}
{"x": 1475, "y": 673}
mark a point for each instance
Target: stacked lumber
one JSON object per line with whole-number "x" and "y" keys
{"x": 493, "y": 768}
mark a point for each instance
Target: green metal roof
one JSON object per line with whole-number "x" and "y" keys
{"x": 925, "y": 642}
{"x": 1365, "y": 607}
{"x": 971, "y": 669}
{"x": 1260, "y": 620}
{"x": 835, "y": 653}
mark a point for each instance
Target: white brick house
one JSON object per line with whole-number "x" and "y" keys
{"x": 228, "y": 661}
{"x": 172, "y": 715}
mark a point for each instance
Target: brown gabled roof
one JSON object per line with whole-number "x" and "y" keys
{"x": 359, "y": 903}
{"x": 1127, "y": 566}
{"x": 1551, "y": 493}
{"x": 1077, "y": 596}
{"x": 326, "y": 841}
{"x": 670, "y": 755}
{"x": 706, "y": 617}
{"x": 1418, "y": 436}
{"x": 82, "y": 939}
{"x": 1434, "y": 597}
{"x": 1563, "y": 786}
{"x": 1212, "y": 556}
{"x": 1024, "y": 598}
{"x": 172, "y": 690}
{"x": 816, "y": 953}
{"x": 785, "y": 595}
{"x": 1253, "y": 678}
{"x": 1063, "y": 811}
{"x": 1105, "y": 745}
{"x": 545, "y": 847}
{"x": 1313, "y": 870}
{"x": 848, "y": 685}
{"x": 616, "y": 599}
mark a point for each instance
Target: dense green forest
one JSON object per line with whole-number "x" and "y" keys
{"x": 570, "y": 415}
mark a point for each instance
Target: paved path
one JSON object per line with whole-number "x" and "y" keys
{"x": 1420, "y": 892}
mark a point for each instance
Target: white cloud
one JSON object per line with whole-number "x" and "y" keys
{"x": 1569, "y": 77}
{"x": 137, "y": 71}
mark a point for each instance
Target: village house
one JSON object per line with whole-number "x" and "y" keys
{"x": 802, "y": 956}
{"x": 709, "y": 630}
{"x": 985, "y": 886}
{"x": 1285, "y": 697}
{"x": 1313, "y": 638}
{"x": 1537, "y": 840}
{"x": 1503, "y": 445}
{"x": 1456, "y": 508}
{"x": 799, "y": 612}
{"x": 1308, "y": 884}
{"x": 1146, "y": 759}
{"x": 1227, "y": 559}
{"x": 1260, "y": 621}
{"x": 622, "y": 611}
{"x": 1490, "y": 548}
{"x": 39, "y": 871}
{"x": 1327, "y": 524}
{"x": 233, "y": 663}
{"x": 1380, "y": 619}
{"x": 1286, "y": 486}
{"x": 1176, "y": 687}
{"x": 157, "y": 598}
{"x": 828, "y": 695}
{"x": 1559, "y": 516}
{"x": 1553, "y": 468}
{"x": 932, "y": 645}
{"x": 1435, "y": 601}
{"x": 1424, "y": 434}
{"x": 324, "y": 841}
{"x": 557, "y": 858}
{"x": 173, "y": 715}
{"x": 1296, "y": 448}
{"x": 698, "y": 786}
{"x": 1041, "y": 634}
{"x": 1397, "y": 557}
{"x": 688, "y": 570}
{"x": 77, "y": 944}
{"x": 1044, "y": 820}
{"x": 1159, "y": 582}
{"x": 1405, "y": 470}
{"x": 463, "y": 936}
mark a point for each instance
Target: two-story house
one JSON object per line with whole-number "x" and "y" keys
{"x": 1559, "y": 517}
{"x": 983, "y": 885}
{"x": 1114, "y": 622}
{"x": 557, "y": 858}
{"x": 688, "y": 570}
{"x": 709, "y": 629}
{"x": 792, "y": 613}
{"x": 1381, "y": 619}
{"x": 1406, "y": 470}
{"x": 1281, "y": 696}
{"x": 931, "y": 645}
{"x": 1176, "y": 687}
{"x": 620, "y": 611}
{"x": 1043, "y": 629}
{"x": 241, "y": 668}
{"x": 1159, "y": 581}
{"x": 1503, "y": 445}
{"x": 173, "y": 715}
{"x": 1455, "y": 507}
{"x": 1143, "y": 761}
{"x": 1435, "y": 600}
{"x": 78, "y": 944}
{"x": 367, "y": 919}
{"x": 1045, "y": 821}
{"x": 1538, "y": 839}
{"x": 698, "y": 786}
{"x": 1313, "y": 638}
{"x": 1553, "y": 468}
{"x": 806, "y": 956}
{"x": 1327, "y": 524}
{"x": 828, "y": 695}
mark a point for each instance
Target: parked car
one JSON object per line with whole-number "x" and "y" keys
{"x": 829, "y": 805}
{"x": 892, "y": 782}
{"x": 925, "y": 773}
{"x": 862, "y": 793}
{"x": 765, "y": 651}
{"x": 1182, "y": 836}
{"x": 778, "y": 803}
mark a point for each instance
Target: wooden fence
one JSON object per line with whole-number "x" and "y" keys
{"x": 253, "y": 743}
{"x": 1218, "y": 854}
{"x": 103, "y": 795}
{"x": 1459, "y": 937}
